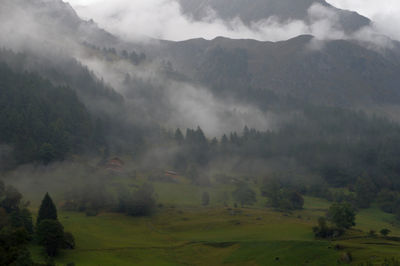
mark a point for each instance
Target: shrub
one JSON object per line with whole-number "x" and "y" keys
{"x": 322, "y": 230}
{"x": 139, "y": 203}
{"x": 342, "y": 215}
{"x": 385, "y": 232}
{"x": 69, "y": 241}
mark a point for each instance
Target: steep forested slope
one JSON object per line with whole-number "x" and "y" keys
{"x": 40, "y": 121}
{"x": 64, "y": 70}
{"x": 338, "y": 72}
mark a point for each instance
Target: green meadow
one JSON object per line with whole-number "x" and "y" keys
{"x": 182, "y": 232}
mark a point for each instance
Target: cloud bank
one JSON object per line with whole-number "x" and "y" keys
{"x": 385, "y": 14}
{"x": 152, "y": 96}
{"x": 163, "y": 19}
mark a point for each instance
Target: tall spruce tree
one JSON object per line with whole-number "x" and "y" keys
{"x": 47, "y": 210}
{"x": 179, "y": 138}
{"x": 50, "y": 235}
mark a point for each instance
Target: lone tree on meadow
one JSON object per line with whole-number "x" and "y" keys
{"x": 342, "y": 215}
{"x": 50, "y": 232}
{"x": 385, "y": 232}
{"x": 50, "y": 235}
{"x": 47, "y": 210}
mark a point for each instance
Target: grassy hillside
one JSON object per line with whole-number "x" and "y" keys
{"x": 190, "y": 236}
{"x": 183, "y": 233}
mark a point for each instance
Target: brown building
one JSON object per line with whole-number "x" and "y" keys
{"x": 115, "y": 164}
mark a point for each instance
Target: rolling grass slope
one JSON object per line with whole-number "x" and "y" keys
{"x": 216, "y": 236}
{"x": 182, "y": 232}
{"x": 192, "y": 236}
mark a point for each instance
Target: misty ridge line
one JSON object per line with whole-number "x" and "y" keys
{"x": 182, "y": 104}
{"x": 160, "y": 19}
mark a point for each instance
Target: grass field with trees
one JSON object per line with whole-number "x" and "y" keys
{"x": 182, "y": 230}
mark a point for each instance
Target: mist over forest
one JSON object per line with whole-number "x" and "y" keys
{"x": 141, "y": 111}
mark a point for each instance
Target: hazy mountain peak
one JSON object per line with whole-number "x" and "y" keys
{"x": 250, "y": 11}
{"x": 45, "y": 20}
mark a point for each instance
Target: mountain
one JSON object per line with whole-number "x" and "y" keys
{"x": 57, "y": 99}
{"x": 69, "y": 51}
{"x": 47, "y": 17}
{"x": 51, "y": 43}
{"x": 340, "y": 72}
{"x": 255, "y": 10}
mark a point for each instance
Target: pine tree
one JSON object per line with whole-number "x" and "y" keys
{"x": 50, "y": 235}
{"x": 179, "y": 138}
{"x": 47, "y": 210}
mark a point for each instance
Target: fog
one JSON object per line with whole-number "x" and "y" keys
{"x": 163, "y": 19}
{"x": 155, "y": 94}
{"x": 168, "y": 102}
{"x": 384, "y": 14}
{"x": 172, "y": 104}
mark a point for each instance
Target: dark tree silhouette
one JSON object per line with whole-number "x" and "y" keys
{"x": 342, "y": 215}
{"x": 50, "y": 234}
{"x": 47, "y": 210}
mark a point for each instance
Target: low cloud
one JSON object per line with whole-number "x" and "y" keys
{"x": 176, "y": 104}
{"x": 163, "y": 19}
{"x": 26, "y": 27}
{"x": 152, "y": 96}
{"x": 384, "y": 14}
{"x": 196, "y": 106}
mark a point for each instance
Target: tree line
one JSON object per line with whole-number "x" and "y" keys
{"x": 17, "y": 229}
{"x": 339, "y": 148}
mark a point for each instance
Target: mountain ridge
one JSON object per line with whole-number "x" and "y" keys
{"x": 257, "y": 10}
{"x": 293, "y": 67}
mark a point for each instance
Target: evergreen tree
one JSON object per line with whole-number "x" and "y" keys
{"x": 246, "y": 133}
{"x": 47, "y": 210}
{"x": 40, "y": 121}
{"x": 179, "y": 136}
{"x": 51, "y": 235}
{"x": 47, "y": 153}
{"x": 224, "y": 144}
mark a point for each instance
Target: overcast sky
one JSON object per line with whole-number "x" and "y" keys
{"x": 161, "y": 19}
{"x": 368, "y": 8}
{"x": 385, "y": 13}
